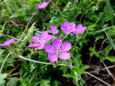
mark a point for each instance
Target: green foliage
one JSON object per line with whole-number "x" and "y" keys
{"x": 93, "y": 52}
{"x": 12, "y": 82}
{"x": 2, "y": 77}
{"x": 44, "y": 83}
{"x": 76, "y": 73}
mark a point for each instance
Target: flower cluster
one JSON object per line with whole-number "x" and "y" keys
{"x": 69, "y": 27}
{"x": 57, "y": 49}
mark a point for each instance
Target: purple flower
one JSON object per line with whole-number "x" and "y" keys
{"x": 68, "y": 27}
{"x": 80, "y": 29}
{"x": 53, "y": 29}
{"x": 43, "y": 5}
{"x": 40, "y": 41}
{"x": 8, "y": 42}
{"x": 58, "y": 49}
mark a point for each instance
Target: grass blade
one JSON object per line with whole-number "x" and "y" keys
{"x": 110, "y": 40}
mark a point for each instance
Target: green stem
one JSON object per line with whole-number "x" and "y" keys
{"x": 4, "y": 62}
{"x": 65, "y": 36}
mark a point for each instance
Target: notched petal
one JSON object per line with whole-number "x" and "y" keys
{"x": 64, "y": 56}
{"x": 66, "y": 46}
{"x": 34, "y": 45}
{"x": 53, "y": 57}
{"x": 36, "y": 39}
{"x": 49, "y": 48}
{"x": 57, "y": 43}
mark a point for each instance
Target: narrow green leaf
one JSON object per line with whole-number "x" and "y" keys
{"x": 110, "y": 40}
{"x": 68, "y": 75}
{"x": 111, "y": 58}
{"x": 110, "y": 11}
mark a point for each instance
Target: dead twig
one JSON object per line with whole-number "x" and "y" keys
{"x": 98, "y": 79}
{"x": 102, "y": 44}
{"x": 108, "y": 71}
{"x": 39, "y": 62}
{"x": 34, "y": 61}
{"x": 109, "y": 67}
{"x": 10, "y": 36}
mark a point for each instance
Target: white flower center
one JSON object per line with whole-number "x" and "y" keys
{"x": 58, "y": 51}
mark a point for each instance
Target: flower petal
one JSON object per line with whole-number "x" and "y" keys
{"x": 66, "y": 46}
{"x": 66, "y": 23}
{"x": 56, "y": 31}
{"x": 83, "y": 29}
{"x": 43, "y": 5}
{"x": 36, "y": 39}
{"x": 53, "y": 29}
{"x": 73, "y": 26}
{"x": 57, "y": 43}
{"x": 68, "y": 27}
{"x": 52, "y": 57}
{"x": 64, "y": 56}
{"x": 44, "y": 35}
{"x": 41, "y": 46}
{"x": 49, "y": 48}
{"x": 76, "y": 31}
{"x": 64, "y": 29}
{"x": 8, "y": 42}
{"x": 80, "y": 29}
{"x": 48, "y": 38}
{"x": 34, "y": 45}
{"x": 2, "y": 45}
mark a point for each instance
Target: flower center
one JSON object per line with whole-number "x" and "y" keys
{"x": 54, "y": 31}
{"x": 58, "y": 51}
{"x": 69, "y": 28}
{"x": 41, "y": 41}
